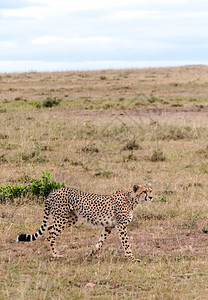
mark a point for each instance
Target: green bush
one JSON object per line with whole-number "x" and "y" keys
{"x": 49, "y": 102}
{"x": 36, "y": 187}
{"x": 44, "y": 187}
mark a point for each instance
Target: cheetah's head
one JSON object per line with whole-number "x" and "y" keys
{"x": 142, "y": 193}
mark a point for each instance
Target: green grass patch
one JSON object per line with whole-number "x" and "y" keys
{"x": 36, "y": 187}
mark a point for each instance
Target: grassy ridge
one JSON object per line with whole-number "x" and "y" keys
{"x": 120, "y": 128}
{"x": 106, "y": 90}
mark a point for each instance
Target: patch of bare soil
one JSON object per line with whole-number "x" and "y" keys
{"x": 151, "y": 112}
{"x": 171, "y": 244}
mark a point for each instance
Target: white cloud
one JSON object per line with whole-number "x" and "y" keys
{"x": 164, "y": 5}
{"x": 7, "y": 47}
{"x": 7, "y": 44}
{"x": 49, "y": 39}
{"x": 130, "y": 15}
{"x": 33, "y": 12}
{"x": 100, "y": 43}
{"x": 14, "y": 4}
{"x": 194, "y": 14}
{"x": 79, "y": 5}
{"x": 94, "y": 4}
{"x": 135, "y": 14}
{"x": 97, "y": 41}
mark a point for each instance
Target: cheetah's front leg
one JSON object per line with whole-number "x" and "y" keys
{"x": 122, "y": 232}
{"x": 102, "y": 238}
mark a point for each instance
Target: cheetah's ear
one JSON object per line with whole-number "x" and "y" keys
{"x": 135, "y": 188}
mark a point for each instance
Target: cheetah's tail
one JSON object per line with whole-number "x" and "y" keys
{"x": 32, "y": 237}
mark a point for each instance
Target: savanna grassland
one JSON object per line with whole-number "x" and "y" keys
{"x": 100, "y": 131}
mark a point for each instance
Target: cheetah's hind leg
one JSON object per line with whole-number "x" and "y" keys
{"x": 54, "y": 231}
{"x": 59, "y": 223}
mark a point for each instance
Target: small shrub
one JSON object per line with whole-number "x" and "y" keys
{"x": 3, "y": 158}
{"x": 90, "y": 149}
{"x": 35, "y": 103}
{"x": 74, "y": 163}
{"x": 163, "y": 199}
{"x": 203, "y": 152}
{"x": 18, "y": 99}
{"x": 129, "y": 158}
{"x": 177, "y": 104}
{"x": 49, "y": 102}
{"x": 158, "y": 155}
{"x": 37, "y": 187}
{"x": 103, "y": 173}
{"x": 107, "y": 106}
{"x": 10, "y": 192}
{"x": 28, "y": 156}
{"x": 116, "y": 131}
{"x": 38, "y": 105}
{"x": 43, "y": 147}
{"x": 34, "y": 156}
{"x": 179, "y": 133}
{"x": 45, "y": 186}
{"x": 2, "y": 109}
{"x": 204, "y": 168}
{"x": 152, "y": 99}
{"x": 89, "y": 129}
{"x": 175, "y": 133}
{"x": 131, "y": 145}
{"x": 191, "y": 220}
{"x": 3, "y": 136}
{"x": 199, "y": 106}
{"x": 87, "y": 100}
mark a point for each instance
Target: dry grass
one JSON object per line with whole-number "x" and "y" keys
{"x": 110, "y": 130}
{"x": 109, "y": 89}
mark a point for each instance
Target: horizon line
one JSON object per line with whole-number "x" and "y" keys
{"x": 49, "y": 67}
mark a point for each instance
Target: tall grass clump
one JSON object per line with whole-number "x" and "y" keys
{"x": 172, "y": 132}
{"x": 158, "y": 155}
{"x": 132, "y": 145}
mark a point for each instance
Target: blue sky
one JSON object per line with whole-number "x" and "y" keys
{"x": 59, "y": 35}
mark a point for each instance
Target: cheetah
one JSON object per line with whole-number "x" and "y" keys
{"x": 67, "y": 205}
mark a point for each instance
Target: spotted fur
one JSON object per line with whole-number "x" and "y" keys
{"x": 67, "y": 205}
